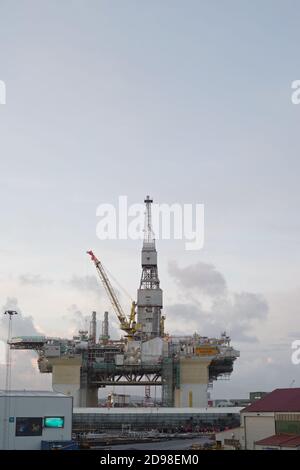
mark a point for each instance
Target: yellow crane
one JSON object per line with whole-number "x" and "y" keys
{"x": 127, "y": 325}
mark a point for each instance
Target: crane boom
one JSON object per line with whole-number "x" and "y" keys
{"x": 124, "y": 323}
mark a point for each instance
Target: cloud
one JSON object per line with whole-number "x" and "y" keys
{"x": 77, "y": 319}
{"x": 250, "y": 306}
{"x": 34, "y": 280}
{"x": 80, "y": 283}
{"x": 259, "y": 371}
{"x": 236, "y": 313}
{"x": 86, "y": 284}
{"x": 24, "y": 371}
{"x": 80, "y": 321}
{"x": 202, "y": 277}
{"x": 22, "y": 325}
{"x": 185, "y": 312}
{"x": 294, "y": 334}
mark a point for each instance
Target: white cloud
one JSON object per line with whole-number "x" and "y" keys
{"x": 236, "y": 313}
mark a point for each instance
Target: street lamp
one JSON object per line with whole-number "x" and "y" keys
{"x": 10, "y": 314}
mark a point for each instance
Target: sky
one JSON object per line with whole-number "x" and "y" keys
{"x": 189, "y": 102}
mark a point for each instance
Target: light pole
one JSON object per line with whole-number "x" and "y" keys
{"x": 10, "y": 314}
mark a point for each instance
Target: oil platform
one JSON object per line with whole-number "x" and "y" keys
{"x": 185, "y": 367}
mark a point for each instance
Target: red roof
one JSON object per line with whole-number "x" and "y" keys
{"x": 280, "y": 440}
{"x": 281, "y": 399}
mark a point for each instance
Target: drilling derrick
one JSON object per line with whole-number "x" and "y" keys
{"x": 149, "y": 295}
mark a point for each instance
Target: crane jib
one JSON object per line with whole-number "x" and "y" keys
{"x": 125, "y": 324}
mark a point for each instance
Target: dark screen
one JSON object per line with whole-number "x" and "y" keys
{"x": 29, "y": 426}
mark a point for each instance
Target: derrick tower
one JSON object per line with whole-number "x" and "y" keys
{"x": 149, "y": 294}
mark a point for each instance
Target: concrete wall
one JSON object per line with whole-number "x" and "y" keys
{"x": 33, "y": 407}
{"x": 193, "y": 382}
{"x": 66, "y": 371}
{"x": 88, "y": 396}
{"x": 257, "y": 426}
{"x": 193, "y": 395}
{"x": 74, "y": 391}
{"x": 66, "y": 378}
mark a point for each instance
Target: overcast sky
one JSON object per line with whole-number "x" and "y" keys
{"x": 188, "y": 101}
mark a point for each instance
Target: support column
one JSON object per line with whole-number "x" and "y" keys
{"x": 68, "y": 378}
{"x": 193, "y": 382}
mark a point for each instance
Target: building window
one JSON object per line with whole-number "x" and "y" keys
{"x": 29, "y": 426}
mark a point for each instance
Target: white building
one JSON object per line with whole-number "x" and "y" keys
{"x": 29, "y": 417}
{"x": 277, "y": 412}
{"x": 269, "y": 422}
{"x": 231, "y": 439}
